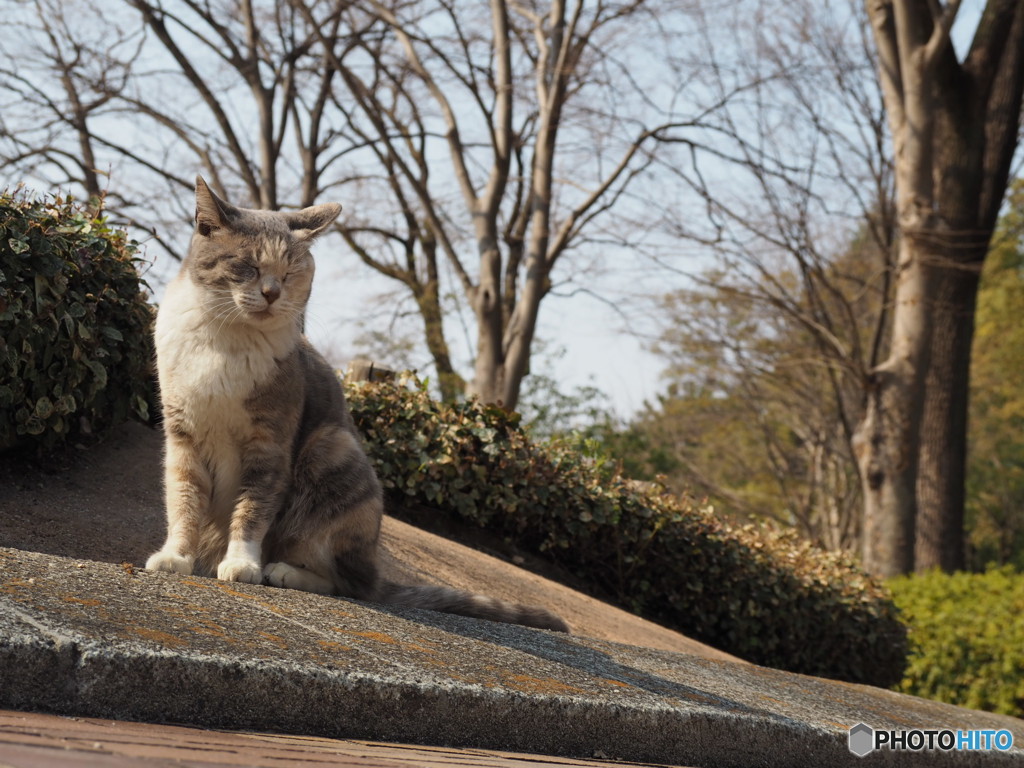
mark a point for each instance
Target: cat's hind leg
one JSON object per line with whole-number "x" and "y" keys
{"x": 333, "y": 521}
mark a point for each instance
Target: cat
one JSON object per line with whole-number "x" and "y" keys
{"x": 266, "y": 479}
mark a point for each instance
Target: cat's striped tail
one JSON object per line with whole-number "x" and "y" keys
{"x": 449, "y": 600}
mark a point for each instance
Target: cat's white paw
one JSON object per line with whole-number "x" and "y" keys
{"x": 170, "y": 561}
{"x": 290, "y": 577}
{"x": 238, "y": 569}
{"x": 277, "y": 574}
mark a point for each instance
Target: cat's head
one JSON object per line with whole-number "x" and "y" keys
{"x": 254, "y": 266}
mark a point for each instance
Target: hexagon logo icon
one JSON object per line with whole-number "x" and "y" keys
{"x": 861, "y": 739}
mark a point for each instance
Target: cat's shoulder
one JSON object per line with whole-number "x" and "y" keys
{"x": 318, "y": 372}
{"x": 323, "y": 390}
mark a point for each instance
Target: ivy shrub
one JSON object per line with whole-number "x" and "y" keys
{"x": 966, "y": 636}
{"x": 757, "y": 593}
{"x": 75, "y": 343}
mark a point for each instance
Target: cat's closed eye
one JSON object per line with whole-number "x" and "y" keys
{"x": 294, "y": 271}
{"x": 243, "y": 271}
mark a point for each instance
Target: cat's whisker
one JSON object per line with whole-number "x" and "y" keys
{"x": 222, "y": 310}
{"x": 228, "y": 317}
{"x": 218, "y": 308}
{"x": 233, "y": 315}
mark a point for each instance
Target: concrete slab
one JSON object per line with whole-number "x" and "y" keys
{"x": 81, "y": 637}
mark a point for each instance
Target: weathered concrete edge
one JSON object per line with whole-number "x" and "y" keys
{"x": 75, "y": 676}
{"x": 226, "y": 693}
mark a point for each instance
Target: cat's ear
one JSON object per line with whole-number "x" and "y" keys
{"x": 311, "y": 222}
{"x": 211, "y": 212}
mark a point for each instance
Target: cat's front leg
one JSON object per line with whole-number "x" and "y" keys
{"x": 242, "y": 562}
{"x": 264, "y": 481}
{"x": 187, "y": 489}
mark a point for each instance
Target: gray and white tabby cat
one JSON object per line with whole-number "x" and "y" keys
{"x": 266, "y": 479}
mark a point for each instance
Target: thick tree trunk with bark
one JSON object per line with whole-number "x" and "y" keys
{"x": 940, "y": 484}
{"x": 954, "y": 129}
{"x": 887, "y": 440}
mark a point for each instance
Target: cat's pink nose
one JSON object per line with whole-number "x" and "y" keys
{"x": 271, "y": 290}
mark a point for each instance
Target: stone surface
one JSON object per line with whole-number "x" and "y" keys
{"x": 98, "y": 639}
{"x": 106, "y": 504}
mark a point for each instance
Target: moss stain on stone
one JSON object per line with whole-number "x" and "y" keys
{"x": 155, "y": 635}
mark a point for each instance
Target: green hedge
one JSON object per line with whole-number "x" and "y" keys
{"x": 761, "y": 595}
{"x": 75, "y": 347}
{"x": 967, "y": 638}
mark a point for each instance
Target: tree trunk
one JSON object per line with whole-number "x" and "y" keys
{"x": 940, "y": 485}
{"x": 428, "y": 301}
{"x": 489, "y": 370}
{"x": 978, "y": 141}
{"x": 886, "y": 454}
{"x": 954, "y": 127}
{"x": 887, "y": 441}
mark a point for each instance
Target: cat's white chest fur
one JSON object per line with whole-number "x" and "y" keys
{"x": 208, "y": 367}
